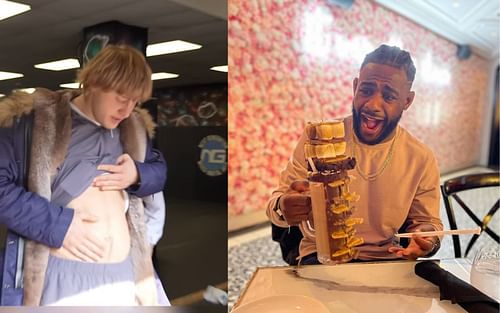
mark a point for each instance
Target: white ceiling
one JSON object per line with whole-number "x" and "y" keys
{"x": 472, "y": 22}
{"x": 53, "y": 30}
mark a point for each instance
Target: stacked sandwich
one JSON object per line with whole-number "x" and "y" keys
{"x": 332, "y": 202}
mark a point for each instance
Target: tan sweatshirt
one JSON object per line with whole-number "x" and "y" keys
{"x": 407, "y": 191}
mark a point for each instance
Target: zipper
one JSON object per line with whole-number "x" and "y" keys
{"x": 26, "y": 126}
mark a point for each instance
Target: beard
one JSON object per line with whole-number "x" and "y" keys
{"x": 389, "y": 126}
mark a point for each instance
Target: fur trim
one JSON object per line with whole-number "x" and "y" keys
{"x": 14, "y": 106}
{"x": 133, "y": 136}
{"x": 141, "y": 254}
{"x": 36, "y": 258}
{"x": 48, "y": 149}
{"x": 133, "y": 133}
{"x": 148, "y": 121}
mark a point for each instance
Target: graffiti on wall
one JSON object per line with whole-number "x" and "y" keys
{"x": 192, "y": 106}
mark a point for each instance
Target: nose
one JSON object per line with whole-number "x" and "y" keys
{"x": 375, "y": 103}
{"x": 127, "y": 108}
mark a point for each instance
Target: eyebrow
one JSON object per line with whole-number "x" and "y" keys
{"x": 126, "y": 97}
{"x": 385, "y": 87}
{"x": 368, "y": 84}
{"x": 391, "y": 90}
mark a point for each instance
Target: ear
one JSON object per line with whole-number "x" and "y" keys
{"x": 88, "y": 91}
{"x": 409, "y": 99}
{"x": 354, "y": 85}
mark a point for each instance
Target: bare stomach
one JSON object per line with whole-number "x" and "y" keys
{"x": 111, "y": 226}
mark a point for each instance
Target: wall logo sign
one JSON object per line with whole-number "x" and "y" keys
{"x": 94, "y": 45}
{"x": 213, "y": 156}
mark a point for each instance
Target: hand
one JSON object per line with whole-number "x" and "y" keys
{"x": 418, "y": 247}
{"x": 80, "y": 242}
{"x": 295, "y": 203}
{"x": 122, "y": 175}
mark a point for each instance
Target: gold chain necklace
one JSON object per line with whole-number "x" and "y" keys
{"x": 372, "y": 177}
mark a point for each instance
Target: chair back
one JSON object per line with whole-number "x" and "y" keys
{"x": 451, "y": 189}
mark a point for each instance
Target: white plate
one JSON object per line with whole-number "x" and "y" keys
{"x": 283, "y": 304}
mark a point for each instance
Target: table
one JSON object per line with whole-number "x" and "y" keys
{"x": 389, "y": 286}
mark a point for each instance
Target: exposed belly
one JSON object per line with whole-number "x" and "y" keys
{"x": 111, "y": 226}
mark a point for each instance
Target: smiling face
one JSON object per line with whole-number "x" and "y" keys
{"x": 381, "y": 94}
{"x": 108, "y": 107}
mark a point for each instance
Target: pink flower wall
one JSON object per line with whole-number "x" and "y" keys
{"x": 294, "y": 60}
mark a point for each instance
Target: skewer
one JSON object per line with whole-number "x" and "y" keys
{"x": 441, "y": 232}
{"x": 311, "y": 163}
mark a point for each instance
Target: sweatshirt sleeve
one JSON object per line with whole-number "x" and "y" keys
{"x": 295, "y": 170}
{"x": 154, "y": 211}
{"x": 424, "y": 210}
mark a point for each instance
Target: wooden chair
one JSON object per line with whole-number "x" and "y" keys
{"x": 450, "y": 190}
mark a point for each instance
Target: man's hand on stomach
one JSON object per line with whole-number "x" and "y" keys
{"x": 80, "y": 242}
{"x": 100, "y": 230}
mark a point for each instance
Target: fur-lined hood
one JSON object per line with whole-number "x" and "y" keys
{"x": 20, "y": 103}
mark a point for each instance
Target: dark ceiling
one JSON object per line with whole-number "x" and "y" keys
{"x": 53, "y": 30}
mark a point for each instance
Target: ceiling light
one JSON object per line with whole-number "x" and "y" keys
{"x": 9, "y": 8}
{"x": 59, "y": 65}
{"x": 221, "y": 68}
{"x": 70, "y": 85}
{"x": 28, "y": 90}
{"x": 456, "y": 4}
{"x": 170, "y": 47}
{"x": 9, "y": 75}
{"x": 163, "y": 75}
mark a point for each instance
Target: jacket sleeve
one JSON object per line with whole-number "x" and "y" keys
{"x": 295, "y": 170}
{"x": 27, "y": 213}
{"x": 152, "y": 173}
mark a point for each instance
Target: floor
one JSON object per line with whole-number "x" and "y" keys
{"x": 254, "y": 248}
{"x": 193, "y": 251}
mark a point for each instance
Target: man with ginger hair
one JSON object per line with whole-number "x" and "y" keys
{"x": 396, "y": 176}
{"x": 90, "y": 163}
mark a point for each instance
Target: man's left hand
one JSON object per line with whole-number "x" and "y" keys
{"x": 419, "y": 247}
{"x": 121, "y": 175}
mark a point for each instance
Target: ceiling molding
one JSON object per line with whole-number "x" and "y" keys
{"x": 475, "y": 28}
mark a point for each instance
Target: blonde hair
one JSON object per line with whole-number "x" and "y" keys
{"x": 122, "y": 69}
